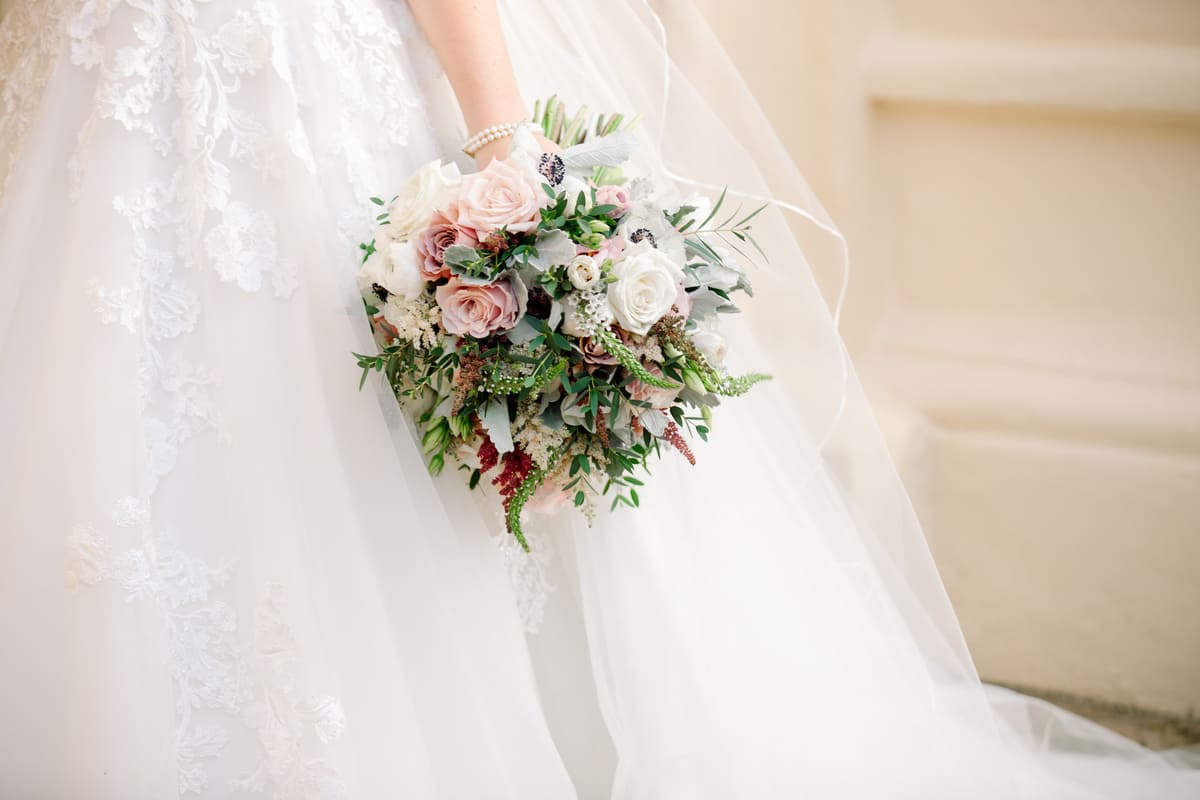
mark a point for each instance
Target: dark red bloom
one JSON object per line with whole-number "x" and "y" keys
{"x": 515, "y": 468}
{"x": 489, "y": 456}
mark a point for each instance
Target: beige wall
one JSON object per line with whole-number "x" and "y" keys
{"x": 1020, "y": 182}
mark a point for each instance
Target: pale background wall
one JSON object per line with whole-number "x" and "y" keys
{"x": 1020, "y": 183}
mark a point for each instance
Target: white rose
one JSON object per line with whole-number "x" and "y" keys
{"x": 426, "y": 189}
{"x": 711, "y": 345}
{"x": 396, "y": 268}
{"x": 583, "y": 272}
{"x": 646, "y": 287}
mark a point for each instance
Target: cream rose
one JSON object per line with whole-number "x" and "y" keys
{"x": 647, "y": 285}
{"x": 430, "y": 187}
{"x": 500, "y": 196}
{"x": 711, "y": 345}
{"x": 583, "y": 272}
{"x": 395, "y": 267}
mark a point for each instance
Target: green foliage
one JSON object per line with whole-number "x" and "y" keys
{"x": 629, "y": 360}
{"x": 566, "y": 129}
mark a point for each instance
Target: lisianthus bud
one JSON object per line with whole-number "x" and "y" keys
{"x": 692, "y": 379}
{"x": 592, "y": 241}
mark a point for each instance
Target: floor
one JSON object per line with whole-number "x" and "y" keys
{"x": 1153, "y": 729}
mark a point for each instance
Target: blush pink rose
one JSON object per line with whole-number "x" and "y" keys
{"x": 611, "y": 250}
{"x": 549, "y": 499}
{"x": 477, "y": 311}
{"x": 432, "y": 241}
{"x": 613, "y": 196}
{"x": 656, "y": 397}
{"x": 500, "y": 196}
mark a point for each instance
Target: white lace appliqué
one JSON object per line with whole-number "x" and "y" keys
{"x": 527, "y": 571}
{"x": 170, "y": 72}
{"x": 259, "y": 680}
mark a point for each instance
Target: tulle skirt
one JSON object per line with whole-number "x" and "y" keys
{"x": 224, "y": 570}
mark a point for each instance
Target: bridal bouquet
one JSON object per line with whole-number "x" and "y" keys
{"x": 550, "y": 323}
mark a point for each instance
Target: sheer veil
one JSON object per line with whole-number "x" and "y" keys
{"x": 775, "y": 612}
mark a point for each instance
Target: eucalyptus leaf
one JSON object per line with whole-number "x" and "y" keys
{"x": 523, "y": 332}
{"x": 554, "y": 249}
{"x": 606, "y": 151}
{"x": 494, "y": 417}
{"x": 460, "y": 255}
{"x": 556, "y": 314}
{"x": 654, "y": 421}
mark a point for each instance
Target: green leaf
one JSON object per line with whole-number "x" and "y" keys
{"x": 716, "y": 207}
{"x": 749, "y": 216}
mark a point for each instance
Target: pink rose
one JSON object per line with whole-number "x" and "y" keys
{"x": 479, "y": 310}
{"x": 432, "y": 241}
{"x": 656, "y": 397}
{"x": 548, "y": 499}
{"x": 611, "y": 250}
{"x": 595, "y": 353}
{"x": 613, "y": 196}
{"x": 500, "y": 196}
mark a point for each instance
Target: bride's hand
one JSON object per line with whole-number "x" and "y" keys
{"x": 499, "y": 149}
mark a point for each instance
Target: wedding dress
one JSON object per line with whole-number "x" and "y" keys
{"x": 225, "y": 571}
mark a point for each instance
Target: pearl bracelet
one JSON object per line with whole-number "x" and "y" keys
{"x": 488, "y": 135}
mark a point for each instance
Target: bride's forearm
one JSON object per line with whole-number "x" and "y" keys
{"x": 468, "y": 41}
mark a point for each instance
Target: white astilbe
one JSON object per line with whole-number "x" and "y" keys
{"x": 535, "y": 437}
{"x": 416, "y": 320}
{"x": 646, "y": 348}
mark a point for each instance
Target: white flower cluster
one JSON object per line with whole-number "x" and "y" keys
{"x": 646, "y": 347}
{"x": 416, "y": 320}
{"x": 535, "y": 437}
{"x": 585, "y": 313}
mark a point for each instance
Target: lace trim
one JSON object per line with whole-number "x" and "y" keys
{"x": 189, "y": 220}
{"x": 528, "y": 573}
{"x": 209, "y": 668}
